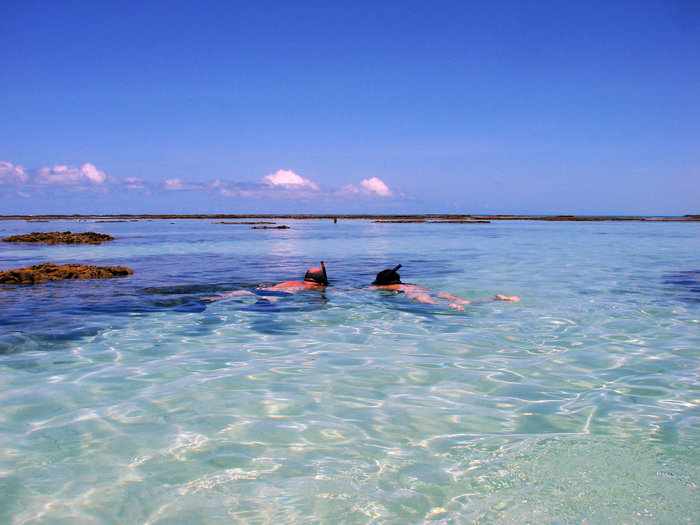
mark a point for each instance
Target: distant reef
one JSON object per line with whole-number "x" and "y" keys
{"x": 280, "y": 227}
{"x": 66, "y": 237}
{"x": 244, "y": 222}
{"x": 447, "y": 218}
{"x": 42, "y": 273}
{"x": 425, "y": 221}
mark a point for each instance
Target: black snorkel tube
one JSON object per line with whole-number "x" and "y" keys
{"x": 325, "y": 276}
{"x": 314, "y": 275}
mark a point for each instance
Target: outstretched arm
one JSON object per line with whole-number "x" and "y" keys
{"x": 456, "y": 302}
{"x": 420, "y": 297}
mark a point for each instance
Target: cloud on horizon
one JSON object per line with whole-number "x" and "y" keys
{"x": 282, "y": 184}
{"x": 289, "y": 180}
{"x": 373, "y": 187}
{"x": 173, "y": 184}
{"x": 376, "y": 186}
{"x": 134, "y": 183}
{"x": 12, "y": 174}
{"x": 86, "y": 174}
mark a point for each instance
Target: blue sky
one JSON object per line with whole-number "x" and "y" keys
{"x": 385, "y": 107}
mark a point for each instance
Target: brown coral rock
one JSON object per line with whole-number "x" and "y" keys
{"x": 54, "y": 272}
{"x": 66, "y": 237}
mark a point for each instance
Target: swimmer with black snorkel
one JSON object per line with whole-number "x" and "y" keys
{"x": 315, "y": 279}
{"x": 389, "y": 280}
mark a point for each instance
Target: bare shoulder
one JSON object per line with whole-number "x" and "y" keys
{"x": 294, "y": 286}
{"x": 413, "y": 288}
{"x": 284, "y": 285}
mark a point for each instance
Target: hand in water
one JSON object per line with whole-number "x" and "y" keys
{"x": 510, "y": 298}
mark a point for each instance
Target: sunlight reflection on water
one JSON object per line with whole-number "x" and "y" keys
{"x": 137, "y": 401}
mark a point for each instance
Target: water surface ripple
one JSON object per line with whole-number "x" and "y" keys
{"x": 137, "y": 401}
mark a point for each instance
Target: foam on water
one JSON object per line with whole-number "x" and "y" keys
{"x": 137, "y": 401}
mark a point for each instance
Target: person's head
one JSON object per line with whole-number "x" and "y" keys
{"x": 317, "y": 275}
{"x": 388, "y": 276}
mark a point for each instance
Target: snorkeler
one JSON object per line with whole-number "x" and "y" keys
{"x": 315, "y": 279}
{"x": 389, "y": 280}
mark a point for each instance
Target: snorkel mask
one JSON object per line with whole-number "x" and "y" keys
{"x": 388, "y": 276}
{"x": 317, "y": 275}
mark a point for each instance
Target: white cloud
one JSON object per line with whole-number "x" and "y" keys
{"x": 61, "y": 174}
{"x": 174, "y": 184}
{"x": 289, "y": 180}
{"x": 177, "y": 184}
{"x": 12, "y": 173}
{"x": 134, "y": 183}
{"x": 282, "y": 184}
{"x": 227, "y": 189}
{"x": 348, "y": 189}
{"x": 90, "y": 172}
{"x": 376, "y": 186}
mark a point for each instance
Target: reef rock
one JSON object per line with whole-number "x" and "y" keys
{"x": 66, "y": 237}
{"x": 41, "y": 273}
{"x": 244, "y": 222}
{"x": 280, "y": 227}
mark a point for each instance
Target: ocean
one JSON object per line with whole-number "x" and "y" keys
{"x": 140, "y": 401}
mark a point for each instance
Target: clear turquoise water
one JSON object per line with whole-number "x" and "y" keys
{"x": 132, "y": 401}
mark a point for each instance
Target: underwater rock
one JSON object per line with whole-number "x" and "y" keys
{"x": 280, "y": 227}
{"x": 41, "y": 273}
{"x": 66, "y": 237}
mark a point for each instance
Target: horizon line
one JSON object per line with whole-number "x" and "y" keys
{"x": 357, "y": 216}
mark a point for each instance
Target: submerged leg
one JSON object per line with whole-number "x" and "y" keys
{"x": 240, "y": 293}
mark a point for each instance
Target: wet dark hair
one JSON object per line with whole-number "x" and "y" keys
{"x": 388, "y": 276}
{"x": 317, "y": 277}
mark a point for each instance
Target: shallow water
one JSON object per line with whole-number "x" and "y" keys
{"x": 135, "y": 401}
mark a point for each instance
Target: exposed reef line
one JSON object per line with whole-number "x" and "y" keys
{"x": 41, "y": 273}
{"x": 66, "y": 237}
{"x": 407, "y": 217}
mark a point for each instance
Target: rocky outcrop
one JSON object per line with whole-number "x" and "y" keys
{"x": 266, "y": 216}
{"x": 244, "y": 222}
{"x": 469, "y": 221}
{"x": 425, "y": 221}
{"x": 41, "y": 273}
{"x": 66, "y": 237}
{"x": 400, "y": 221}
